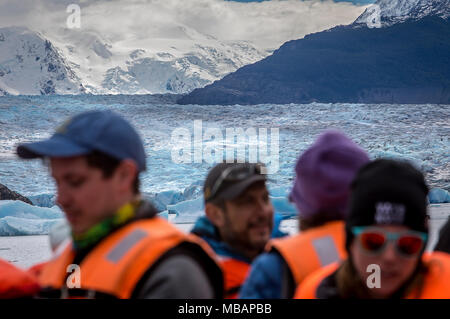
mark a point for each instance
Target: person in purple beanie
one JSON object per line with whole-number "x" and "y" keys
{"x": 321, "y": 192}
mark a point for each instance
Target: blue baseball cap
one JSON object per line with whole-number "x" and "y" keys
{"x": 103, "y": 131}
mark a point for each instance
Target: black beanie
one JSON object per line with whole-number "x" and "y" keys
{"x": 387, "y": 192}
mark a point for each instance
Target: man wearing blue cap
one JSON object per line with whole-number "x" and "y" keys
{"x": 119, "y": 248}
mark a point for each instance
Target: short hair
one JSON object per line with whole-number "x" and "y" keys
{"x": 219, "y": 202}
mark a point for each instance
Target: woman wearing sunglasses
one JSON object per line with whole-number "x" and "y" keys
{"x": 386, "y": 236}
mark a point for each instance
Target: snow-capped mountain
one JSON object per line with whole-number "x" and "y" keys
{"x": 31, "y": 65}
{"x": 69, "y": 61}
{"x": 138, "y": 65}
{"x": 388, "y": 12}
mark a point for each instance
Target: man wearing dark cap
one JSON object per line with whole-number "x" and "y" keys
{"x": 119, "y": 247}
{"x": 321, "y": 190}
{"x": 239, "y": 218}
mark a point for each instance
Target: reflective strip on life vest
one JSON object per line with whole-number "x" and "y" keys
{"x": 326, "y": 250}
{"x": 125, "y": 245}
{"x": 312, "y": 249}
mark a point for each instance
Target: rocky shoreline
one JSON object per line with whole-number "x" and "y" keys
{"x": 7, "y": 194}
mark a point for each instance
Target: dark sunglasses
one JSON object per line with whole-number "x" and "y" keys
{"x": 236, "y": 173}
{"x": 374, "y": 240}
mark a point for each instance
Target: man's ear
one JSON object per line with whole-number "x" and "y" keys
{"x": 125, "y": 174}
{"x": 215, "y": 214}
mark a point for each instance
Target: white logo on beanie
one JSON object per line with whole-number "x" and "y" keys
{"x": 389, "y": 213}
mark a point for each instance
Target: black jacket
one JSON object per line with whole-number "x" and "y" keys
{"x": 444, "y": 239}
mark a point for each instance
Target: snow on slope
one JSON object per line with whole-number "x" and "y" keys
{"x": 69, "y": 61}
{"x": 146, "y": 65}
{"x": 29, "y": 65}
{"x": 388, "y": 12}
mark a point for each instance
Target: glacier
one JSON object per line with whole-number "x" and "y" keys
{"x": 73, "y": 62}
{"x": 419, "y": 133}
{"x": 30, "y": 65}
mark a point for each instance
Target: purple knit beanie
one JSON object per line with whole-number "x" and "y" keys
{"x": 324, "y": 173}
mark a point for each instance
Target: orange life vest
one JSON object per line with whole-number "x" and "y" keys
{"x": 35, "y": 270}
{"x": 312, "y": 249}
{"x": 235, "y": 272}
{"x": 15, "y": 283}
{"x": 307, "y": 289}
{"x": 117, "y": 263}
{"x": 436, "y": 282}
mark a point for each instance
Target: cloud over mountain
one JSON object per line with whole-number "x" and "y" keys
{"x": 268, "y": 24}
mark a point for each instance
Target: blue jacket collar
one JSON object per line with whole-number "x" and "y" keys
{"x": 208, "y": 232}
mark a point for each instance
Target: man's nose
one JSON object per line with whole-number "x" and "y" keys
{"x": 264, "y": 207}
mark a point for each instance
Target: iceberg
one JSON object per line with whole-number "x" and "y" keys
{"x": 18, "y": 218}
{"x": 280, "y": 201}
{"x": 172, "y": 197}
{"x": 283, "y": 207}
{"x": 187, "y": 211}
{"x": 281, "y": 191}
{"x": 164, "y": 214}
{"x": 20, "y": 209}
{"x": 438, "y": 196}
{"x": 43, "y": 200}
{"x": 13, "y": 226}
{"x": 161, "y": 200}
{"x": 194, "y": 190}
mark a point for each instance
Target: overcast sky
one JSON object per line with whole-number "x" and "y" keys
{"x": 352, "y": 1}
{"x": 268, "y": 23}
